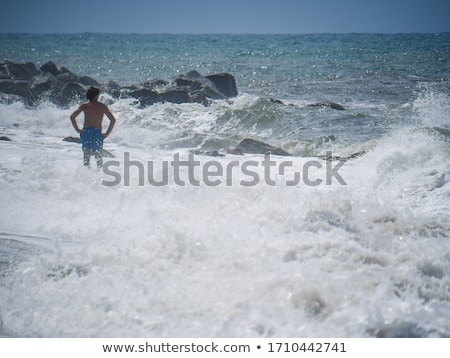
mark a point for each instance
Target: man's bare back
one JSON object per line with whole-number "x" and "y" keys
{"x": 93, "y": 116}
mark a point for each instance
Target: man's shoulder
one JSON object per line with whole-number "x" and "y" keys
{"x": 104, "y": 106}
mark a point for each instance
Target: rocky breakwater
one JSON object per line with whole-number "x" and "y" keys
{"x": 189, "y": 88}
{"x": 32, "y": 85}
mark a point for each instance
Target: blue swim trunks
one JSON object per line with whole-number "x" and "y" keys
{"x": 91, "y": 138}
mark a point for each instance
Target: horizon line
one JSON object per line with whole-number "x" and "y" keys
{"x": 226, "y": 33}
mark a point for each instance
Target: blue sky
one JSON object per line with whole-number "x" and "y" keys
{"x": 211, "y": 16}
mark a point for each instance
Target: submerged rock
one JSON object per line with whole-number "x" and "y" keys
{"x": 253, "y": 146}
{"x": 399, "y": 329}
{"x": 72, "y": 139}
{"x": 209, "y": 153}
{"x": 328, "y": 104}
{"x": 332, "y": 105}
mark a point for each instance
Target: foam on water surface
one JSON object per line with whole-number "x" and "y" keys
{"x": 369, "y": 258}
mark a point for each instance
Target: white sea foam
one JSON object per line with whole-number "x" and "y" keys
{"x": 369, "y": 258}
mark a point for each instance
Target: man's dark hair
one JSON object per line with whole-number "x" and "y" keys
{"x": 92, "y": 92}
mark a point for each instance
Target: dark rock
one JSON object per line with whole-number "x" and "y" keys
{"x": 175, "y": 95}
{"x": 14, "y": 87}
{"x": 4, "y": 72}
{"x": 42, "y": 83}
{"x": 88, "y": 81}
{"x": 235, "y": 151}
{"x": 196, "y": 83}
{"x": 72, "y": 139}
{"x": 68, "y": 77}
{"x": 193, "y": 75}
{"x": 253, "y": 146}
{"x": 209, "y": 92}
{"x": 209, "y": 153}
{"x": 112, "y": 88}
{"x": 328, "y": 104}
{"x": 5, "y": 138}
{"x": 18, "y": 71}
{"x": 62, "y": 86}
{"x": 399, "y": 329}
{"x": 277, "y": 101}
{"x": 200, "y": 97}
{"x": 153, "y": 84}
{"x": 146, "y": 96}
{"x": 445, "y": 132}
{"x": 42, "y": 87}
{"x": 348, "y": 157}
{"x": 186, "y": 82}
{"x": 50, "y": 67}
{"x": 74, "y": 90}
{"x": 193, "y": 80}
{"x": 130, "y": 88}
{"x": 225, "y": 83}
{"x": 71, "y": 92}
{"x": 111, "y": 85}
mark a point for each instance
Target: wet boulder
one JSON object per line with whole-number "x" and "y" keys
{"x": 68, "y": 77}
{"x": 332, "y": 105}
{"x": 64, "y": 87}
{"x": 42, "y": 83}
{"x": 113, "y": 88}
{"x": 175, "y": 95}
{"x": 14, "y": 87}
{"x": 145, "y": 96}
{"x": 192, "y": 79}
{"x": 52, "y": 68}
{"x": 70, "y": 93}
{"x": 18, "y": 71}
{"x": 225, "y": 83}
{"x": 253, "y": 146}
{"x": 72, "y": 139}
{"x": 195, "y": 83}
{"x": 154, "y": 84}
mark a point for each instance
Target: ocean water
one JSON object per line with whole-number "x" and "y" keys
{"x": 365, "y": 256}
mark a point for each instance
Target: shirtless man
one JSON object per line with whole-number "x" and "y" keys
{"x": 91, "y": 135}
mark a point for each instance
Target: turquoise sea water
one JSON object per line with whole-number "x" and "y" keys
{"x": 272, "y": 61}
{"x": 379, "y": 73}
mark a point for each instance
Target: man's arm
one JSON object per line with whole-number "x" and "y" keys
{"x": 112, "y": 121}
{"x": 73, "y": 117}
